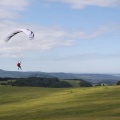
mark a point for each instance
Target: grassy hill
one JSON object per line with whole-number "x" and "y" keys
{"x": 74, "y": 83}
{"x": 33, "y": 103}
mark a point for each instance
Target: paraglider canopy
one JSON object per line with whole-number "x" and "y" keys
{"x": 28, "y": 32}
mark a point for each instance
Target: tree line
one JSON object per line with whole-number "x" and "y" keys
{"x": 42, "y": 82}
{"x": 35, "y": 82}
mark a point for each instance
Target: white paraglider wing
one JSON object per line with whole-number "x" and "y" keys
{"x": 28, "y": 32}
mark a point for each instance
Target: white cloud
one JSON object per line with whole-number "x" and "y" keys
{"x": 45, "y": 38}
{"x": 82, "y": 57}
{"x": 9, "y": 9}
{"x": 97, "y": 32}
{"x": 95, "y": 56}
{"x": 84, "y": 3}
{"x": 16, "y": 5}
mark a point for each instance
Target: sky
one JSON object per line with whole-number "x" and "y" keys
{"x": 71, "y": 36}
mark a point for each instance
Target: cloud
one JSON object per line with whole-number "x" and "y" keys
{"x": 96, "y": 56}
{"x": 10, "y": 9}
{"x": 87, "y": 56}
{"x": 79, "y": 4}
{"x": 97, "y": 32}
{"x": 45, "y": 38}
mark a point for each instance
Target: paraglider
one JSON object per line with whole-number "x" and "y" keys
{"x": 12, "y": 33}
{"x": 19, "y": 65}
{"x": 28, "y": 32}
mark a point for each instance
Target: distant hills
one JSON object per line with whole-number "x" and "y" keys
{"x": 20, "y": 74}
{"x": 92, "y": 78}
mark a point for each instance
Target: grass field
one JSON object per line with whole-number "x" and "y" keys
{"x": 33, "y": 103}
{"x": 74, "y": 83}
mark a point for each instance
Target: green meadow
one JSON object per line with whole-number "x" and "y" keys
{"x": 74, "y": 83}
{"x": 36, "y": 103}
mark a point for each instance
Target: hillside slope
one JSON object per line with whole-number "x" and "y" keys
{"x": 29, "y": 103}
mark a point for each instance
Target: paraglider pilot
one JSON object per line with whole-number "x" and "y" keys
{"x": 19, "y": 65}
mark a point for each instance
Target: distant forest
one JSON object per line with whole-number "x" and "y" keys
{"x": 41, "y": 82}
{"x": 35, "y": 82}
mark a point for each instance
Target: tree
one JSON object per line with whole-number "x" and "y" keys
{"x": 85, "y": 84}
{"x": 41, "y": 82}
{"x": 61, "y": 84}
{"x": 118, "y": 83}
